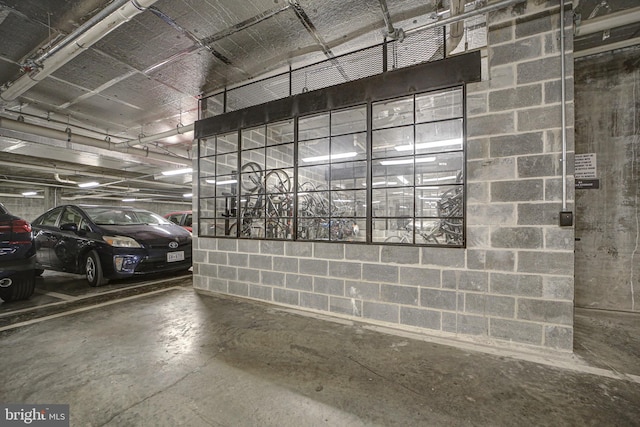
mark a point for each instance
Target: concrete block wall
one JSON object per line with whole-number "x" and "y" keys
{"x": 514, "y": 281}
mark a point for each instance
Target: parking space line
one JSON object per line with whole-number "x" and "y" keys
{"x": 57, "y": 295}
{"x": 82, "y": 309}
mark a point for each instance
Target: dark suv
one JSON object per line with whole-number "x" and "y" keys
{"x": 17, "y": 257}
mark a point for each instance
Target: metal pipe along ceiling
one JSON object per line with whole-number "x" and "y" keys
{"x": 71, "y": 50}
{"x": 32, "y": 129}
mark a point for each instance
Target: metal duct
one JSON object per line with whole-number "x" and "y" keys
{"x": 71, "y": 50}
{"x": 32, "y": 129}
{"x": 456, "y": 29}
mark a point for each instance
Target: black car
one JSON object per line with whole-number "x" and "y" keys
{"x": 109, "y": 242}
{"x": 17, "y": 257}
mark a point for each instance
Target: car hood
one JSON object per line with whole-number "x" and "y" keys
{"x": 149, "y": 233}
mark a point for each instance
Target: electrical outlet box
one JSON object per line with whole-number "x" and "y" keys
{"x": 566, "y": 219}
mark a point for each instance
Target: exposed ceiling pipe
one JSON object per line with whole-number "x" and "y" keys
{"x": 110, "y": 8}
{"x": 179, "y": 130}
{"x": 486, "y": 9}
{"x": 64, "y": 181}
{"x": 56, "y": 170}
{"x": 393, "y": 33}
{"x": 80, "y": 43}
{"x": 606, "y": 47}
{"x": 607, "y": 22}
{"x": 68, "y": 136}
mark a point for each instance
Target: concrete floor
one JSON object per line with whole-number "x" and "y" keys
{"x": 174, "y": 357}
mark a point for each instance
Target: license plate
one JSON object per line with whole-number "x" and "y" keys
{"x": 175, "y": 256}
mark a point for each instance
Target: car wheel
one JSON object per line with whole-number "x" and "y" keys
{"x": 93, "y": 270}
{"x": 22, "y": 287}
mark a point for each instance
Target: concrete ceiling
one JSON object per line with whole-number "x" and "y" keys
{"x": 89, "y": 89}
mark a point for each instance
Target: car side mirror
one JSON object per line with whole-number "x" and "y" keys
{"x": 69, "y": 227}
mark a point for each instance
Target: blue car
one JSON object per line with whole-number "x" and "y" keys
{"x": 109, "y": 242}
{"x": 17, "y": 257}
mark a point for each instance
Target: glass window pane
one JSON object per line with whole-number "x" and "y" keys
{"x": 219, "y": 207}
{"x": 281, "y": 132}
{"x": 313, "y": 178}
{"x": 349, "y": 175}
{"x": 349, "y": 147}
{"x": 253, "y": 138}
{"x": 393, "y": 113}
{"x": 227, "y": 143}
{"x": 279, "y": 228}
{"x": 207, "y": 187}
{"x": 207, "y": 146}
{"x": 349, "y": 121}
{"x": 207, "y": 166}
{"x": 391, "y": 173}
{"x": 313, "y": 204}
{"x": 313, "y": 127}
{"x": 393, "y": 202}
{"x": 392, "y": 142}
{"x": 255, "y": 156}
{"x": 439, "y": 169}
{"x": 280, "y": 156}
{"x": 439, "y": 105}
{"x": 314, "y": 151}
{"x": 392, "y": 231}
{"x": 226, "y": 185}
{"x": 313, "y": 228}
{"x": 226, "y": 164}
{"x": 208, "y": 227}
{"x": 439, "y": 136}
{"x": 439, "y": 232}
{"x": 437, "y": 201}
{"x": 279, "y": 181}
{"x": 350, "y": 203}
{"x": 251, "y": 176}
{"x": 341, "y": 229}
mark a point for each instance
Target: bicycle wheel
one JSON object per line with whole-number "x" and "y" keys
{"x": 397, "y": 239}
{"x": 250, "y": 176}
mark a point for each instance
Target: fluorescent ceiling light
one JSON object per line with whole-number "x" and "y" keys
{"x": 228, "y": 181}
{"x": 187, "y": 195}
{"x": 177, "y": 171}
{"x": 444, "y": 178}
{"x": 403, "y": 179}
{"x": 129, "y": 200}
{"x": 330, "y": 157}
{"x": 434, "y": 144}
{"x": 88, "y": 184}
{"x": 407, "y": 161}
{"x": 29, "y": 193}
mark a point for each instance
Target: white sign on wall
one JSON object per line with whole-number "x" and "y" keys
{"x": 585, "y": 166}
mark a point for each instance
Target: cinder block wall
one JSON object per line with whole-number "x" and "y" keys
{"x": 514, "y": 281}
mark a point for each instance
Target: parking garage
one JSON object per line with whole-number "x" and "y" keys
{"x": 405, "y": 213}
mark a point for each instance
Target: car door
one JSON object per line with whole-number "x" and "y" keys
{"x": 69, "y": 240}
{"x": 45, "y": 235}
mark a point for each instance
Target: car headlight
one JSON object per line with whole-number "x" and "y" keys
{"x": 121, "y": 242}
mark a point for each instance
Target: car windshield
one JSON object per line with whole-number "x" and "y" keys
{"x": 111, "y": 216}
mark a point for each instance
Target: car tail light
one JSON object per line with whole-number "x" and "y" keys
{"x": 19, "y": 229}
{"x": 20, "y": 226}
